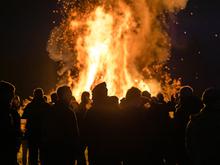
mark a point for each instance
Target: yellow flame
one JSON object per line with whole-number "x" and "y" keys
{"x": 105, "y": 55}
{"x": 120, "y": 42}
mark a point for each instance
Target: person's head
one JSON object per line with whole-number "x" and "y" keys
{"x": 45, "y": 98}
{"x": 133, "y": 93}
{"x": 173, "y": 98}
{"x": 113, "y": 104}
{"x": 146, "y": 94}
{"x": 73, "y": 99}
{"x": 64, "y": 94}
{"x": 100, "y": 91}
{"x": 114, "y": 100}
{"x": 7, "y": 92}
{"x": 211, "y": 96}
{"x": 123, "y": 103}
{"x": 16, "y": 102}
{"x": 54, "y": 97}
{"x": 38, "y": 93}
{"x": 85, "y": 97}
{"x": 186, "y": 91}
{"x": 133, "y": 98}
{"x": 160, "y": 97}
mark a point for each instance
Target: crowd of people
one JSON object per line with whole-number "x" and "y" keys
{"x": 103, "y": 130}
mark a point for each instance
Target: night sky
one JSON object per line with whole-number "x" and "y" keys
{"x": 26, "y": 25}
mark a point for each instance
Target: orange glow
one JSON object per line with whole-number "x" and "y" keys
{"x": 119, "y": 42}
{"x": 105, "y": 55}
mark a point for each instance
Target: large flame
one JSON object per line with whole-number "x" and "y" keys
{"x": 119, "y": 42}
{"x": 104, "y": 52}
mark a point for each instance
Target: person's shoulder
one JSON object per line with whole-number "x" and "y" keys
{"x": 14, "y": 113}
{"x": 91, "y": 113}
{"x": 197, "y": 116}
{"x": 27, "y": 109}
{"x": 28, "y": 105}
{"x": 200, "y": 117}
{"x": 47, "y": 105}
{"x": 197, "y": 101}
{"x": 56, "y": 107}
{"x": 195, "y": 120}
{"x": 61, "y": 108}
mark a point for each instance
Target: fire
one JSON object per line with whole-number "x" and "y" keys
{"x": 105, "y": 55}
{"x": 121, "y": 43}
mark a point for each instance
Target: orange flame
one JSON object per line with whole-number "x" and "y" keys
{"x": 119, "y": 43}
{"x": 103, "y": 50}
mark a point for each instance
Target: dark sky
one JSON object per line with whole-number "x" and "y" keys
{"x": 26, "y": 25}
{"x": 196, "y": 45}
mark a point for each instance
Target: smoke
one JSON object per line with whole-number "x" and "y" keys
{"x": 139, "y": 36}
{"x": 175, "y": 5}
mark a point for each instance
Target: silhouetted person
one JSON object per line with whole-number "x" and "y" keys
{"x": 147, "y": 97}
{"x": 115, "y": 126}
{"x": 171, "y": 147}
{"x": 24, "y": 141}
{"x": 114, "y": 102}
{"x": 100, "y": 127}
{"x": 16, "y": 104}
{"x": 8, "y": 145}
{"x": 45, "y": 98}
{"x": 60, "y": 132}
{"x": 203, "y": 138}
{"x": 54, "y": 98}
{"x": 122, "y": 104}
{"x": 158, "y": 133}
{"x": 160, "y": 98}
{"x": 188, "y": 105}
{"x": 83, "y": 107}
{"x": 146, "y": 94}
{"x": 74, "y": 104}
{"x": 134, "y": 141}
{"x": 172, "y": 104}
{"x": 35, "y": 113}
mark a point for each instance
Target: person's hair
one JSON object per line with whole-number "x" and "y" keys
{"x": 16, "y": 101}
{"x": 64, "y": 92}
{"x": 146, "y": 94}
{"x": 114, "y": 99}
{"x": 45, "y": 98}
{"x": 160, "y": 97}
{"x": 100, "y": 91}
{"x": 84, "y": 97}
{"x": 133, "y": 93}
{"x": 38, "y": 93}
{"x": 7, "y": 91}
{"x": 54, "y": 97}
{"x": 186, "y": 91}
{"x": 211, "y": 96}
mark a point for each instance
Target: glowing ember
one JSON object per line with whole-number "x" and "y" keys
{"x": 122, "y": 43}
